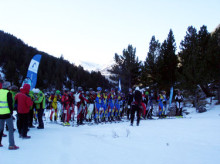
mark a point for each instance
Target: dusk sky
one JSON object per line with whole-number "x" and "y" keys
{"x": 94, "y": 30}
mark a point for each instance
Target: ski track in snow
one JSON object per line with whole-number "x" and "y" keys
{"x": 182, "y": 141}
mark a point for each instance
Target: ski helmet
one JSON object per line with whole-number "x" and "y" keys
{"x": 99, "y": 89}
{"x": 80, "y": 89}
{"x": 57, "y": 92}
{"x": 146, "y": 93}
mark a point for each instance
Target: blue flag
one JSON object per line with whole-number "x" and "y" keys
{"x": 171, "y": 96}
{"x": 31, "y": 77}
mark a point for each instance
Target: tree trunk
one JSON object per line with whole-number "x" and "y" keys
{"x": 195, "y": 103}
{"x": 206, "y": 90}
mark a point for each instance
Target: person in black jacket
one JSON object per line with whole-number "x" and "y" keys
{"x": 136, "y": 106}
{"x": 129, "y": 99}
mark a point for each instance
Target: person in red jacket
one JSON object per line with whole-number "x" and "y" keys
{"x": 80, "y": 103}
{"x": 24, "y": 103}
{"x": 66, "y": 107}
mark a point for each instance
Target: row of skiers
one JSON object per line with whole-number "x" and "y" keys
{"x": 90, "y": 105}
{"x": 100, "y": 106}
{"x": 104, "y": 106}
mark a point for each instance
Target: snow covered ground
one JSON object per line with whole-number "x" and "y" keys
{"x": 194, "y": 140}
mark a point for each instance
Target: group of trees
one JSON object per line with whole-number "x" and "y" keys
{"x": 197, "y": 65}
{"x": 15, "y": 57}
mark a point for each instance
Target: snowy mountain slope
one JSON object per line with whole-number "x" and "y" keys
{"x": 192, "y": 140}
{"x": 103, "y": 68}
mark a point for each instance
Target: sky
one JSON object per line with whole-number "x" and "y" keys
{"x": 94, "y": 30}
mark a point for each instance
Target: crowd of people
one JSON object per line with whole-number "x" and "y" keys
{"x": 90, "y": 106}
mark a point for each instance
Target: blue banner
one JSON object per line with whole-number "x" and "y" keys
{"x": 119, "y": 85}
{"x": 31, "y": 77}
{"x": 171, "y": 96}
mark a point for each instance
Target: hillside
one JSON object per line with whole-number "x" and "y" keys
{"x": 53, "y": 72}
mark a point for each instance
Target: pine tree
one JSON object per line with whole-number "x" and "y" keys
{"x": 127, "y": 68}
{"x": 167, "y": 62}
{"x": 150, "y": 75}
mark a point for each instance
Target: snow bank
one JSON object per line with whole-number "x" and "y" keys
{"x": 188, "y": 140}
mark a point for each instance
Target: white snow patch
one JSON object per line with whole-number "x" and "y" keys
{"x": 191, "y": 140}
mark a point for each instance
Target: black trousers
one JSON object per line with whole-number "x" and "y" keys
{"x": 40, "y": 113}
{"x": 135, "y": 108}
{"x": 22, "y": 124}
{"x": 30, "y": 118}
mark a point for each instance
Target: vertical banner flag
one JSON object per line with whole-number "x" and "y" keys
{"x": 171, "y": 96}
{"x": 31, "y": 77}
{"x": 119, "y": 85}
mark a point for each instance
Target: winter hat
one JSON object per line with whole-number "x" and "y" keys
{"x": 14, "y": 88}
{"x": 26, "y": 88}
{"x": 6, "y": 85}
{"x": 137, "y": 89}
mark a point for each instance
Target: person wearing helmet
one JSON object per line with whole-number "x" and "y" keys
{"x": 151, "y": 97}
{"x": 123, "y": 102}
{"x": 80, "y": 103}
{"x": 179, "y": 103}
{"x": 118, "y": 108}
{"x": 145, "y": 97}
{"x": 91, "y": 104}
{"x": 6, "y": 111}
{"x": 98, "y": 105}
{"x": 129, "y": 99}
{"x": 40, "y": 105}
{"x": 111, "y": 105}
{"x": 66, "y": 106}
{"x": 54, "y": 98}
{"x": 72, "y": 104}
{"x": 105, "y": 105}
{"x": 136, "y": 106}
{"x": 162, "y": 99}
